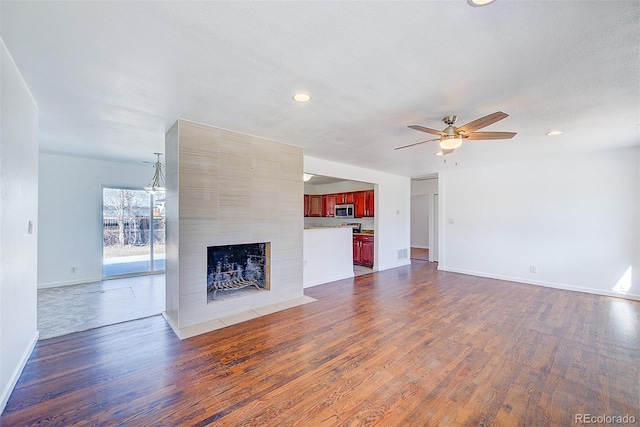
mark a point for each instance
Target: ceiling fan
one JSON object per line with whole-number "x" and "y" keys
{"x": 451, "y": 137}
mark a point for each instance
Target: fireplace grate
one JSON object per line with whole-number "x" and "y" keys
{"x": 233, "y": 267}
{"x": 230, "y": 285}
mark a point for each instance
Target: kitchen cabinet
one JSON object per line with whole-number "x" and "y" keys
{"x": 329, "y": 205}
{"x": 363, "y": 250}
{"x": 359, "y": 202}
{"x": 315, "y": 205}
{"x": 364, "y": 201}
{"x": 323, "y": 205}
{"x": 369, "y": 201}
{"x": 306, "y": 205}
{"x": 342, "y": 198}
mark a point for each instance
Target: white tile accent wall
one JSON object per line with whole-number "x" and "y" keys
{"x": 225, "y": 187}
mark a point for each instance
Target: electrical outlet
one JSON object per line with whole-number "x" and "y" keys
{"x": 532, "y": 269}
{"x": 73, "y": 270}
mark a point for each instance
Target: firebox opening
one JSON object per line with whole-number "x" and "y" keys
{"x": 233, "y": 270}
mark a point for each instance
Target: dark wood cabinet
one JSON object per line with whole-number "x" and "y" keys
{"x": 323, "y": 205}
{"x": 369, "y": 201}
{"x": 359, "y": 201}
{"x": 329, "y": 205}
{"x": 306, "y": 205}
{"x": 357, "y": 251}
{"x": 315, "y": 205}
{"x": 350, "y": 197}
{"x": 343, "y": 198}
{"x": 364, "y": 201}
{"x": 363, "y": 250}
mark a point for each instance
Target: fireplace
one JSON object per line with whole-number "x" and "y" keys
{"x": 233, "y": 270}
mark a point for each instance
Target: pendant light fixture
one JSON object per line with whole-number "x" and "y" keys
{"x": 156, "y": 185}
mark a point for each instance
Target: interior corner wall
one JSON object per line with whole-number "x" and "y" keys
{"x": 392, "y": 208}
{"x": 226, "y": 188}
{"x": 570, "y": 222}
{"x": 70, "y": 214}
{"x": 18, "y": 224}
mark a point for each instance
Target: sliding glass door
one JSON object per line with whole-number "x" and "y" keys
{"x": 133, "y": 232}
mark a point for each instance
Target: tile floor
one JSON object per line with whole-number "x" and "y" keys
{"x": 359, "y": 270}
{"x": 77, "y": 308}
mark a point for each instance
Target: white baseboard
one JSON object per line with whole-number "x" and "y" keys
{"x": 554, "y": 285}
{"x": 328, "y": 280}
{"x": 420, "y": 247}
{"x": 67, "y": 283}
{"x": 390, "y": 266}
{"x": 6, "y": 393}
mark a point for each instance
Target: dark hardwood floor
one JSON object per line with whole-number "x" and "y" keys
{"x": 408, "y": 346}
{"x": 420, "y": 254}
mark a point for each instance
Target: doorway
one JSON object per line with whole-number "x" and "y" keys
{"x": 133, "y": 232}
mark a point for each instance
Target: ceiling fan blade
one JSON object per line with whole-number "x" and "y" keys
{"x": 416, "y": 143}
{"x": 482, "y": 122}
{"x": 427, "y": 130}
{"x": 490, "y": 135}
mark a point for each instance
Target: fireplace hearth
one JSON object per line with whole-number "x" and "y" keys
{"x": 234, "y": 268}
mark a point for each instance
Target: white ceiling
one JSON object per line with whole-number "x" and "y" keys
{"x": 111, "y": 77}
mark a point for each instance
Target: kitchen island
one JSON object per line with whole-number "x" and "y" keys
{"x": 327, "y": 254}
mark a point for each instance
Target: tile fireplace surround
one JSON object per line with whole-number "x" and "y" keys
{"x": 227, "y": 188}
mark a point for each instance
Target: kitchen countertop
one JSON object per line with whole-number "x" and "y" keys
{"x": 365, "y": 233}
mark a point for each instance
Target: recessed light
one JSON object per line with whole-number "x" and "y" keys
{"x": 301, "y": 97}
{"x": 554, "y": 133}
{"x": 478, "y": 3}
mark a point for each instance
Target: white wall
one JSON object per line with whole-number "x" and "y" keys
{"x": 576, "y": 219}
{"x": 18, "y": 207}
{"x": 392, "y": 207}
{"x": 420, "y": 221}
{"x": 324, "y": 247}
{"x": 70, "y": 214}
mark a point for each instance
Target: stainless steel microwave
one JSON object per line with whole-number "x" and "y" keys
{"x": 344, "y": 211}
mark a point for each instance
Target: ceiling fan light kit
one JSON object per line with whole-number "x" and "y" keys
{"x": 479, "y": 3}
{"x": 450, "y": 142}
{"x": 451, "y": 137}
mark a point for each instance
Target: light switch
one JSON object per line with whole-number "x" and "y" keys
{"x": 30, "y": 227}
{"x": 451, "y": 221}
